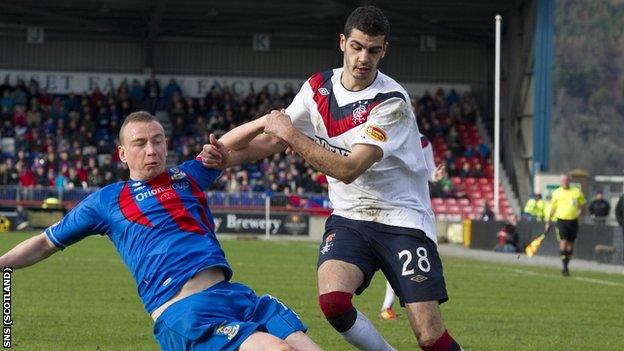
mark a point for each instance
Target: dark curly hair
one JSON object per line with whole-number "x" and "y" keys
{"x": 368, "y": 19}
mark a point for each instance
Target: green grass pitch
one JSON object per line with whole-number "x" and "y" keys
{"x": 85, "y": 299}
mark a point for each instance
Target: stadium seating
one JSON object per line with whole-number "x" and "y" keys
{"x": 83, "y": 127}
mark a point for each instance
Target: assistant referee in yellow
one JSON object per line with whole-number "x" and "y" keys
{"x": 566, "y": 207}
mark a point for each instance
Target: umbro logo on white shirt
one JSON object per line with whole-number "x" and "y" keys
{"x": 323, "y": 91}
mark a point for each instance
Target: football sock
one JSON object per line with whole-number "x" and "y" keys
{"x": 389, "y": 298}
{"x": 568, "y": 257}
{"x": 364, "y": 336}
{"x": 564, "y": 259}
{"x": 444, "y": 343}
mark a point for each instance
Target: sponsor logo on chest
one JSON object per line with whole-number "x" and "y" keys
{"x": 164, "y": 192}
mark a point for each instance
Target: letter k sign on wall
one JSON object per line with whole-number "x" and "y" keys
{"x": 261, "y": 42}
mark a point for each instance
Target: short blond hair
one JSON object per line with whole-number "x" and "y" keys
{"x": 138, "y": 116}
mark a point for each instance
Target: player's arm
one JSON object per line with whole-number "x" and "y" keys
{"x": 581, "y": 209}
{"x": 217, "y": 155}
{"x": 247, "y": 143}
{"x": 241, "y": 136}
{"x": 343, "y": 168}
{"x": 29, "y": 252}
{"x": 549, "y": 217}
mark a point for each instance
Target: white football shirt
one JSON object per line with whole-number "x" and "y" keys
{"x": 394, "y": 190}
{"x": 428, "y": 153}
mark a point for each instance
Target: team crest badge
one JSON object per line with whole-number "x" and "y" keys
{"x": 177, "y": 173}
{"x": 376, "y": 133}
{"x": 229, "y": 331}
{"x": 359, "y": 113}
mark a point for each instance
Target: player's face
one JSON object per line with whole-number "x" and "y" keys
{"x": 362, "y": 53}
{"x": 144, "y": 149}
{"x": 565, "y": 181}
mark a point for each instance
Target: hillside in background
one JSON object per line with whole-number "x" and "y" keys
{"x": 588, "y": 87}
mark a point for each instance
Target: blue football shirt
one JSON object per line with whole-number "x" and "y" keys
{"x": 162, "y": 228}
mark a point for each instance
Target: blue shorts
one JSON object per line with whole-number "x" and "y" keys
{"x": 406, "y": 256}
{"x": 222, "y": 317}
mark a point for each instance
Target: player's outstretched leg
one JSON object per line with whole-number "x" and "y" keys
{"x": 301, "y": 342}
{"x": 260, "y": 341}
{"x": 426, "y": 321}
{"x": 337, "y": 282}
{"x": 387, "y": 312}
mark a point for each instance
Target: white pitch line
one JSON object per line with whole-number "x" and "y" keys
{"x": 536, "y": 274}
{"x": 522, "y": 271}
{"x": 589, "y": 280}
{"x": 598, "y": 281}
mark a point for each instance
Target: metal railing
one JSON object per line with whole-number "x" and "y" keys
{"x": 246, "y": 199}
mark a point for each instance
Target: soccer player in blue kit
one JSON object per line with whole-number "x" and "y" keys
{"x": 161, "y": 225}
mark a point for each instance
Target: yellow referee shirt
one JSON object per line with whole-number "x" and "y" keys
{"x": 566, "y": 202}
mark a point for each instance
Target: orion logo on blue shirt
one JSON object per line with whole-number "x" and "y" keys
{"x": 161, "y": 189}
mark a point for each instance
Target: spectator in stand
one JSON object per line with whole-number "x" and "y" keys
{"x": 449, "y": 157}
{"x": 7, "y": 101}
{"x": 294, "y": 200}
{"x": 599, "y": 208}
{"x": 487, "y": 214}
{"x": 528, "y": 212}
{"x": 477, "y": 170}
{"x": 470, "y": 152}
{"x": 59, "y": 183}
{"x": 7, "y": 172}
{"x": 95, "y": 179}
{"x": 508, "y": 238}
{"x": 5, "y": 86}
{"x": 619, "y": 212}
{"x": 71, "y": 102}
{"x": 26, "y": 176}
{"x": 73, "y": 181}
{"x": 50, "y": 178}
{"x": 137, "y": 92}
{"x": 21, "y": 218}
{"x": 18, "y": 95}
{"x": 152, "y": 94}
{"x": 465, "y": 171}
{"x": 452, "y": 97}
{"x": 171, "y": 88}
{"x": 484, "y": 151}
{"x": 468, "y": 112}
{"x": 454, "y": 143}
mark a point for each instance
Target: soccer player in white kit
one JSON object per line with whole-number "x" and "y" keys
{"x": 355, "y": 125}
{"x": 435, "y": 174}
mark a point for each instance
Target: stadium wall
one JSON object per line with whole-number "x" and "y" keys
{"x": 452, "y": 61}
{"x": 594, "y": 242}
{"x": 72, "y": 55}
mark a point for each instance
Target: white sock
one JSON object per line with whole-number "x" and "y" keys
{"x": 364, "y": 336}
{"x": 389, "y": 298}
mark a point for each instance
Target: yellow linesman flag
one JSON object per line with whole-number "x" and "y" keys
{"x": 532, "y": 248}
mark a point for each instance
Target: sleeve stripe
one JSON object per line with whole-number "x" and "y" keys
{"x": 52, "y": 238}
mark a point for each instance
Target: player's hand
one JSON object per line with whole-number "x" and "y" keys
{"x": 290, "y": 151}
{"x": 278, "y": 124}
{"x": 215, "y": 154}
{"x": 439, "y": 172}
{"x": 547, "y": 227}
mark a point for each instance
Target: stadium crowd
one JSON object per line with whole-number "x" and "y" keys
{"x": 69, "y": 141}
